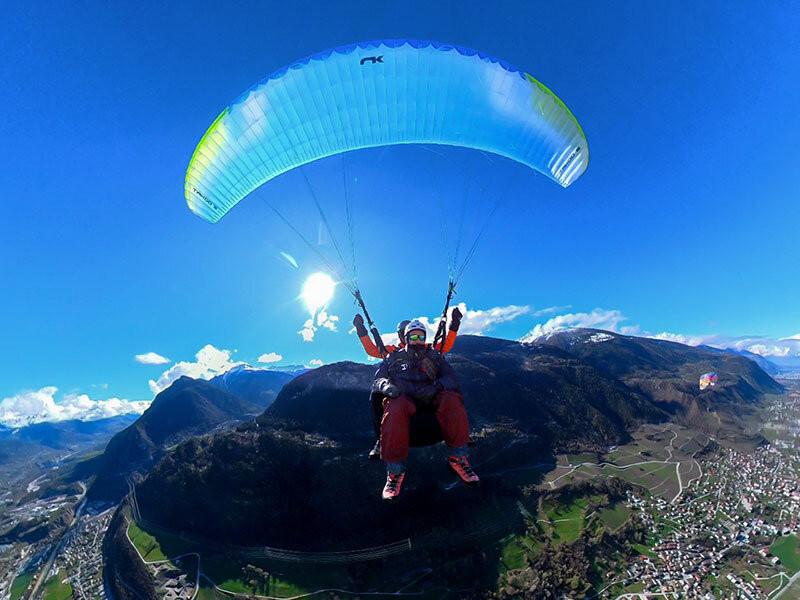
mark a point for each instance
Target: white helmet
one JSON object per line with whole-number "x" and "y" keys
{"x": 415, "y": 325}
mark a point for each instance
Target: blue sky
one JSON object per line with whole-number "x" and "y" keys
{"x": 686, "y": 221}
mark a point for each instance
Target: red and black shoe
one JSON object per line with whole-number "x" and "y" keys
{"x": 394, "y": 483}
{"x": 460, "y": 465}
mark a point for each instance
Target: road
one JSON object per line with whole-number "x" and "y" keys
{"x": 40, "y": 579}
{"x": 794, "y": 578}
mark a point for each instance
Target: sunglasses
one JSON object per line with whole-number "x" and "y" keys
{"x": 417, "y": 337}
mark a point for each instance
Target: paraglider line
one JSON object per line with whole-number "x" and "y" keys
{"x": 443, "y": 215}
{"x": 324, "y": 218}
{"x": 475, "y": 243}
{"x": 349, "y": 215}
{"x": 501, "y": 198}
{"x": 376, "y": 336}
{"x": 347, "y": 284}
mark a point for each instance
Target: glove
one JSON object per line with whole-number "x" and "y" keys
{"x": 455, "y": 319}
{"x": 358, "y": 322}
{"x": 388, "y": 389}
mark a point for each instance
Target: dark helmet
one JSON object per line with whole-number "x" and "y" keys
{"x": 401, "y": 330}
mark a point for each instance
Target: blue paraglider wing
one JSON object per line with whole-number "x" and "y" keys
{"x": 375, "y": 94}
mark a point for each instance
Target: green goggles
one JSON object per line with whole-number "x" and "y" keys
{"x": 416, "y": 337}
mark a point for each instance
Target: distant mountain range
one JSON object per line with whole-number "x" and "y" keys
{"x": 260, "y": 387}
{"x": 767, "y": 365}
{"x": 64, "y": 434}
{"x": 46, "y": 440}
{"x": 297, "y": 478}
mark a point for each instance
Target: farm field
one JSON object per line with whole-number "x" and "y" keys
{"x": 788, "y": 550}
{"x": 660, "y": 459}
{"x": 56, "y": 588}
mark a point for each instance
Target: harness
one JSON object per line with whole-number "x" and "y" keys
{"x": 403, "y": 361}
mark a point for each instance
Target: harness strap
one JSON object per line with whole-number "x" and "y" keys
{"x": 376, "y": 336}
{"x": 440, "y": 331}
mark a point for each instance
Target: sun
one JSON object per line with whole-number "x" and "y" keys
{"x": 317, "y": 291}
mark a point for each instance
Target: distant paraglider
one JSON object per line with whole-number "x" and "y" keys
{"x": 708, "y": 380}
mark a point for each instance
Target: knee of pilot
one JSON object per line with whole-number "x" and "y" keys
{"x": 448, "y": 398}
{"x": 399, "y": 406}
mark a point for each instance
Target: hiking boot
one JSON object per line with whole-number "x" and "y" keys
{"x": 394, "y": 483}
{"x": 460, "y": 465}
{"x": 375, "y": 453}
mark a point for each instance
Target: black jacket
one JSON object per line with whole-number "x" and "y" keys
{"x": 419, "y": 374}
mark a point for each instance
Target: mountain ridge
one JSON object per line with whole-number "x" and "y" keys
{"x": 582, "y": 390}
{"x": 188, "y": 407}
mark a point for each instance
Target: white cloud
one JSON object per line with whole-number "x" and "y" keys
{"x": 689, "y": 340}
{"x": 782, "y": 350}
{"x": 270, "y": 357}
{"x": 320, "y": 320}
{"x": 308, "y": 331}
{"x": 314, "y": 362}
{"x": 390, "y": 338}
{"x": 767, "y": 350}
{"x": 550, "y": 310}
{"x": 29, "y": 407}
{"x": 473, "y": 322}
{"x": 478, "y": 322}
{"x": 151, "y": 358}
{"x": 210, "y": 362}
{"x": 327, "y": 321}
{"x": 599, "y": 318}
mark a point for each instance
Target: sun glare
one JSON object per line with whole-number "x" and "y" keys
{"x": 317, "y": 291}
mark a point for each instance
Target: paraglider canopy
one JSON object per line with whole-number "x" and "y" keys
{"x": 376, "y": 94}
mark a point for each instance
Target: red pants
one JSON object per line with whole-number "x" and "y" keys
{"x": 397, "y": 412}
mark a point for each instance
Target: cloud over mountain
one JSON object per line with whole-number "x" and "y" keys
{"x": 473, "y": 322}
{"x": 270, "y": 357}
{"x": 599, "y": 318}
{"x": 209, "y": 362}
{"x": 785, "y": 350}
{"x": 689, "y": 340}
{"x": 39, "y": 406}
{"x": 478, "y": 322}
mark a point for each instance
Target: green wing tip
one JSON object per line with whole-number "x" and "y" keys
{"x": 558, "y": 100}
{"x": 201, "y": 143}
